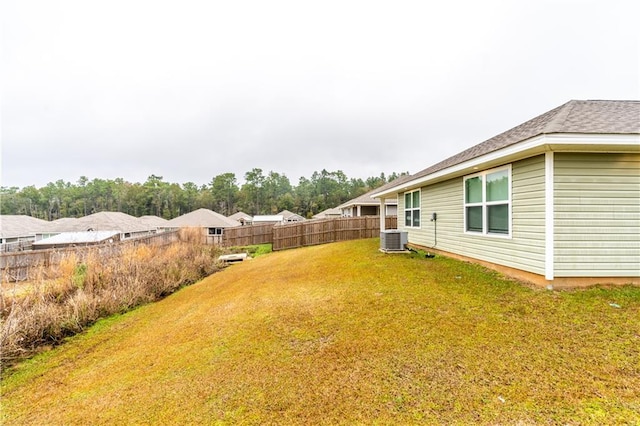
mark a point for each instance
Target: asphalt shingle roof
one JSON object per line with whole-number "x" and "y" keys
{"x": 153, "y": 221}
{"x": 586, "y": 117}
{"x": 328, "y": 213}
{"x": 101, "y": 221}
{"x": 13, "y": 226}
{"x": 202, "y": 218}
{"x": 286, "y": 214}
{"x": 240, "y": 215}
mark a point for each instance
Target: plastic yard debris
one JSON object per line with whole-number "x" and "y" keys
{"x": 236, "y": 257}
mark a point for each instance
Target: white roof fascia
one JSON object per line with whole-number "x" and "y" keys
{"x": 352, "y": 203}
{"x": 535, "y": 145}
{"x": 388, "y": 201}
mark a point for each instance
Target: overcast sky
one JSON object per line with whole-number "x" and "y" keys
{"x": 189, "y": 90}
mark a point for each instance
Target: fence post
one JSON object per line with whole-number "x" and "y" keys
{"x": 334, "y": 229}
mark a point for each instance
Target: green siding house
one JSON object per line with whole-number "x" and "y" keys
{"x": 557, "y": 197}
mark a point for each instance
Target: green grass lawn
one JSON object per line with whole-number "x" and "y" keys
{"x": 343, "y": 334}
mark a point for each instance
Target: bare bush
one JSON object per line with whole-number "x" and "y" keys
{"x": 87, "y": 290}
{"x": 191, "y": 235}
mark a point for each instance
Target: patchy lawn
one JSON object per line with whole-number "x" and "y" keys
{"x": 341, "y": 333}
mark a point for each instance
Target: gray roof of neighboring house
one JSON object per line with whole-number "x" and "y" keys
{"x": 83, "y": 237}
{"x": 582, "y": 117}
{"x": 240, "y": 215}
{"x": 286, "y": 214}
{"x": 13, "y": 226}
{"x": 62, "y": 222}
{"x": 366, "y": 200}
{"x": 202, "y": 218}
{"x": 153, "y": 221}
{"x": 328, "y": 213}
{"x": 101, "y": 221}
{"x": 268, "y": 218}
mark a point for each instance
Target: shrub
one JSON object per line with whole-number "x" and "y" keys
{"x": 98, "y": 287}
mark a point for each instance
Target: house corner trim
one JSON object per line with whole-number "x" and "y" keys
{"x": 549, "y": 216}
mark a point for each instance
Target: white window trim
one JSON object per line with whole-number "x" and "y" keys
{"x": 218, "y": 231}
{"x": 484, "y": 203}
{"x": 404, "y": 210}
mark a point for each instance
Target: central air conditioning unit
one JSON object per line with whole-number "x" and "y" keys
{"x": 393, "y": 240}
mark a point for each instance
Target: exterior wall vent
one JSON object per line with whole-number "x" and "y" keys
{"x": 393, "y": 240}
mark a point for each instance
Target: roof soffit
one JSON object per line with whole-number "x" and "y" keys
{"x": 615, "y": 143}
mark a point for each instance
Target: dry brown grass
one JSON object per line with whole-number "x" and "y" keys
{"x": 342, "y": 334}
{"x": 50, "y": 309}
{"x": 192, "y": 235}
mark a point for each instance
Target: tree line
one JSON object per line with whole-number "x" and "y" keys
{"x": 260, "y": 193}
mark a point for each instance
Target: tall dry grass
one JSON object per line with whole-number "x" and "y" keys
{"x": 86, "y": 290}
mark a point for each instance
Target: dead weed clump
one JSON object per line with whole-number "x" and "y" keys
{"x": 191, "y": 235}
{"x": 96, "y": 287}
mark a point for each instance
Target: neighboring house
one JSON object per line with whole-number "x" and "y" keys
{"x": 128, "y": 226}
{"x": 557, "y": 197}
{"x": 268, "y": 219}
{"x": 288, "y": 216}
{"x": 57, "y": 226}
{"x": 154, "y": 223}
{"x": 242, "y": 217}
{"x": 75, "y": 239}
{"x": 212, "y": 224}
{"x": 328, "y": 214}
{"x": 366, "y": 205}
{"x": 19, "y": 231}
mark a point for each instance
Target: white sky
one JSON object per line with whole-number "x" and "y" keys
{"x": 192, "y": 89}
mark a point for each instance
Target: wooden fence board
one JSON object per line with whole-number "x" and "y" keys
{"x": 312, "y": 232}
{"x": 324, "y": 231}
{"x": 19, "y": 266}
{"x": 247, "y": 235}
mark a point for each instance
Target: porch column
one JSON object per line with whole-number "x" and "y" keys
{"x": 383, "y": 215}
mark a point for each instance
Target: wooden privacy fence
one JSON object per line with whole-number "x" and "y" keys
{"x": 17, "y": 266}
{"x": 16, "y": 246}
{"x": 248, "y": 235}
{"x": 315, "y": 232}
{"x": 312, "y": 232}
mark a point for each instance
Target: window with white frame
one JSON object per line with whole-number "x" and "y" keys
{"x": 412, "y": 209}
{"x": 487, "y": 202}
